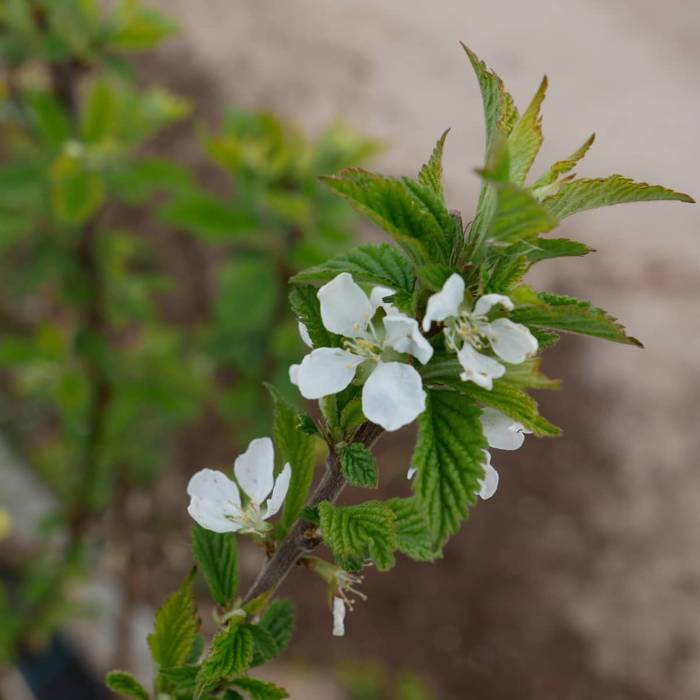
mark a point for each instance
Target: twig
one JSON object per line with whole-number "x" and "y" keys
{"x": 301, "y": 539}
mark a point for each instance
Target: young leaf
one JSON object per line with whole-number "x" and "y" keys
{"x": 525, "y": 140}
{"x": 76, "y": 192}
{"x": 215, "y": 554}
{"x": 579, "y": 195}
{"x": 401, "y": 207}
{"x": 547, "y": 248}
{"x": 261, "y": 690}
{"x": 123, "y": 683}
{"x": 542, "y": 187}
{"x": 296, "y": 448}
{"x": 448, "y": 456}
{"x": 430, "y": 174}
{"x": 434, "y": 275}
{"x": 359, "y": 466}
{"x": 231, "y": 654}
{"x": 278, "y": 621}
{"x": 377, "y": 264}
{"x": 175, "y": 629}
{"x": 264, "y": 645}
{"x": 413, "y": 534}
{"x": 139, "y": 28}
{"x": 182, "y": 677}
{"x": 305, "y": 306}
{"x": 573, "y": 315}
{"x": 354, "y": 533}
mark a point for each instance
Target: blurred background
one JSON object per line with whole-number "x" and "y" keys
{"x": 145, "y": 240}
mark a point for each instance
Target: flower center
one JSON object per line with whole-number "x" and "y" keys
{"x": 466, "y": 328}
{"x": 364, "y": 347}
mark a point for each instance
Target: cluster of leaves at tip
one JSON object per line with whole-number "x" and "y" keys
{"x": 97, "y": 372}
{"x": 430, "y": 245}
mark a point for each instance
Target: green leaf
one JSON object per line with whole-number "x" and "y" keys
{"x": 413, "y": 534}
{"x": 518, "y": 215}
{"x": 215, "y": 554}
{"x": 49, "y": 118}
{"x": 265, "y": 647}
{"x": 377, "y": 264}
{"x": 296, "y": 448}
{"x": 123, "y": 683}
{"x": 231, "y": 654}
{"x": 543, "y": 187}
{"x": 101, "y": 116}
{"x": 430, "y": 174}
{"x": 449, "y": 457}
{"x": 261, "y": 690}
{"x": 525, "y": 140}
{"x": 306, "y": 308}
{"x": 139, "y": 28}
{"x": 182, "y": 677}
{"x": 278, "y": 621}
{"x": 527, "y": 374}
{"x": 580, "y": 195}
{"x": 354, "y": 533}
{"x": 358, "y": 466}
{"x": 564, "y": 313}
{"x": 434, "y": 275}
{"x": 206, "y": 216}
{"x": 547, "y": 248}
{"x": 138, "y": 181}
{"x": 175, "y": 629}
{"x": 411, "y": 213}
{"x": 76, "y": 193}
{"x": 513, "y": 401}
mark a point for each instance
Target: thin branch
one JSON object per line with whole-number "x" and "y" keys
{"x": 302, "y": 539}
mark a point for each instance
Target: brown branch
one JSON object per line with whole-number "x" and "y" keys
{"x": 302, "y": 539}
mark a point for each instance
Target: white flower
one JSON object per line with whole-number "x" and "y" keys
{"x": 215, "y": 500}
{"x": 502, "y": 432}
{"x": 467, "y": 332}
{"x": 393, "y": 394}
{"x": 489, "y": 483}
{"x": 338, "y": 617}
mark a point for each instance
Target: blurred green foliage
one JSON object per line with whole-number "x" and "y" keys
{"x": 96, "y": 380}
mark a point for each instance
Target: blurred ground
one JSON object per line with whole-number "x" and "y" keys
{"x": 581, "y": 579}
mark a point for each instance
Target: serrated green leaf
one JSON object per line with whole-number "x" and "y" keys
{"x": 181, "y": 677}
{"x": 403, "y": 208}
{"x": 306, "y": 308}
{"x": 355, "y": 533}
{"x": 215, "y": 554}
{"x": 296, "y": 448}
{"x": 123, "y": 683}
{"x": 413, "y": 534}
{"x": 434, "y": 275}
{"x": 527, "y": 375}
{"x": 261, "y": 690}
{"x": 543, "y": 186}
{"x": 579, "y": 195}
{"x": 564, "y": 313}
{"x": 231, "y": 654}
{"x": 175, "y": 629}
{"x": 525, "y": 140}
{"x": 278, "y": 621}
{"x": 430, "y": 174}
{"x": 206, "y": 216}
{"x": 358, "y": 466}
{"x": 513, "y": 401}
{"x": 448, "y": 457}
{"x": 547, "y": 248}
{"x": 265, "y": 647}
{"x": 377, "y": 264}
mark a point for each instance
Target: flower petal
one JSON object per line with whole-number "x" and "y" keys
{"x": 215, "y": 516}
{"x": 412, "y": 471}
{"x": 294, "y": 374}
{"x": 478, "y": 368}
{"x": 214, "y": 486}
{"x": 444, "y": 303}
{"x": 279, "y": 492}
{"x": 326, "y": 371}
{"x": 304, "y": 335}
{"x": 403, "y": 334}
{"x": 393, "y": 395}
{"x": 502, "y": 432}
{"x": 489, "y": 483}
{"x": 345, "y": 308}
{"x": 338, "y": 617}
{"x": 255, "y": 468}
{"x": 512, "y": 342}
{"x": 377, "y": 296}
{"x": 484, "y": 304}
